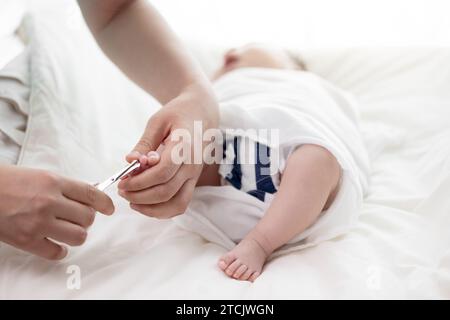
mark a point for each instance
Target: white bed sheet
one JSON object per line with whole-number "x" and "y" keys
{"x": 399, "y": 249}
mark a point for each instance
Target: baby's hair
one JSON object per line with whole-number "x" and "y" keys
{"x": 296, "y": 59}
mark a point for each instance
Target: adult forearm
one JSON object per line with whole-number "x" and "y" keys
{"x": 138, "y": 40}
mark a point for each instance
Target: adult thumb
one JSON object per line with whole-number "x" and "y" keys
{"x": 154, "y": 134}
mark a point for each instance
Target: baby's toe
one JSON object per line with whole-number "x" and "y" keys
{"x": 233, "y": 267}
{"x": 254, "y": 276}
{"x": 240, "y": 271}
{"x": 226, "y": 260}
{"x": 246, "y": 274}
{"x": 222, "y": 264}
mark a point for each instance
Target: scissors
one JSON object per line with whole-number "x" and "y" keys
{"x": 114, "y": 178}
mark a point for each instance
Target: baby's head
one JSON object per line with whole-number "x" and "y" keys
{"x": 258, "y": 56}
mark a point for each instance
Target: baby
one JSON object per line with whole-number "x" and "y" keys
{"x": 306, "y": 186}
{"x": 318, "y": 163}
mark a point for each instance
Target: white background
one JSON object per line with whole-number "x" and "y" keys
{"x": 311, "y": 23}
{"x": 301, "y": 23}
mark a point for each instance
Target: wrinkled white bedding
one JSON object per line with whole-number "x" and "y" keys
{"x": 85, "y": 115}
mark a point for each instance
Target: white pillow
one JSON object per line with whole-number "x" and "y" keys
{"x": 11, "y": 14}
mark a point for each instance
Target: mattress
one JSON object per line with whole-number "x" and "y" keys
{"x": 400, "y": 247}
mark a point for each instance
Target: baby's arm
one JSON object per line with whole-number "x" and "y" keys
{"x": 309, "y": 183}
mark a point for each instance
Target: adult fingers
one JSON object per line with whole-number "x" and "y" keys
{"x": 47, "y": 249}
{"x": 76, "y": 212}
{"x": 175, "y": 206}
{"x": 150, "y": 160}
{"x": 158, "y": 174}
{"x": 87, "y": 194}
{"x": 159, "y": 193}
{"x": 66, "y": 232}
{"x": 154, "y": 134}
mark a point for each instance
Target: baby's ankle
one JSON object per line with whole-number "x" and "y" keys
{"x": 262, "y": 241}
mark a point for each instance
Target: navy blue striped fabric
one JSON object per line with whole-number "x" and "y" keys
{"x": 236, "y": 173}
{"x": 264, "y": 183}
{"x": 261, "y": 195}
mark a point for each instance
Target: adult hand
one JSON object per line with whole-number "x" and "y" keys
{"x": 164, "y": 68}
{"x": 164, "y": 190}
{"x": 37, "y": 207}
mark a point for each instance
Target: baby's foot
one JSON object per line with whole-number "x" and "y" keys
{"x": 245, "y": 261}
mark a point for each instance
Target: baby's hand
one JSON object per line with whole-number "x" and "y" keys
{"x": 146, "y": 161}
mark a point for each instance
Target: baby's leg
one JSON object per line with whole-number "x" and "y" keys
{"x": 308, "y": 184}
